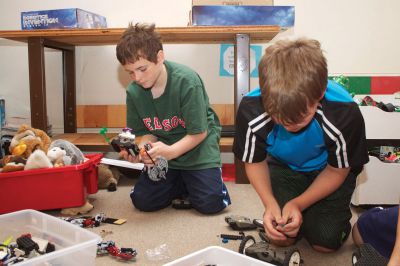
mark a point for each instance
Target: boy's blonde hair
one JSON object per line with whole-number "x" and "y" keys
{"x": 293, "y": 76}
{"x": 139, "y": 41}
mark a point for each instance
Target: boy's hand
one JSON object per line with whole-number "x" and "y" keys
{"x": 128, "y": 157}
{"x": 158, "y": 149}
{"x": 291, "y": 219}
{"x": 272, "y": 217}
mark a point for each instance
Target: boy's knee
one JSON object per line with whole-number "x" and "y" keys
{"x": 355, "y": 233}
{"x": 143, "y": 203}
{"x": 324, "y": 239}
{"x": 210, "y": 205}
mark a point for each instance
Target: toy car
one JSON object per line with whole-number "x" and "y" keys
{"x": 265, "y": 252}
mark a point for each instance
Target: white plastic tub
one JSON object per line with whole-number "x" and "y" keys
{"x": 74, "y": 245}
{"x": 215, "y": 255}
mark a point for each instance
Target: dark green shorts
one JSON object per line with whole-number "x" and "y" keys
{"x": 325, "y": 223}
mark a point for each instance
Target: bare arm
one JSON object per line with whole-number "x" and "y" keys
{"x": 258, "y": 174}
{"x": 175, "y": 150}
{"x": 395, "y": 258}
{"x": 328, "y": 181}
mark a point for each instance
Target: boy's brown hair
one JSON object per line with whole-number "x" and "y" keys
{"x": 293, "y": 76}
{"x": 139, "y": 41}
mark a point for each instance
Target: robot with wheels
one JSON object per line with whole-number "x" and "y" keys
{"x": 263, "y": 251}
{"x": 126, "y": 141}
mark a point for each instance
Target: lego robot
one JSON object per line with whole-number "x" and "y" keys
{"x": 264, "y": 251}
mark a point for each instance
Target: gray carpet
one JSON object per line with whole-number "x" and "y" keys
{"x": 186, "y": 231}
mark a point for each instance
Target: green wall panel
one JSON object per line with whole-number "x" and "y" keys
{"x": 358, "y": 85}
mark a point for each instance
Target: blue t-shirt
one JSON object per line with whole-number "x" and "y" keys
{"x": 335, "y": 135}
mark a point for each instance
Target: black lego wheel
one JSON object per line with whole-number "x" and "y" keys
{"x": 259, "y": 223}
{"x": 246, "y": 242}
{"x": 292, "y": 257}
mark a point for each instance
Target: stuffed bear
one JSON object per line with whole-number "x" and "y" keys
{"x": 108, "y": 177}
{"x": 11, "y": 163}
{"x": 27, "y": 140}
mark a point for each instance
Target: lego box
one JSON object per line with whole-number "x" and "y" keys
{"x": 61, "y": 19}
{"x": 233, "y": 2}
{"x": 49, "y": 188}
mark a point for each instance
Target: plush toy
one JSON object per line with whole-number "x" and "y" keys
{"x": 38, "y": 159}
{"x": 58, "y": 157}
{"x": 85, "y": 208}
{"x": 73, "y": 154}
{"x": 108, "y": 177}
{"x": 27, "y": 140}
{"x": 11, "y": 163}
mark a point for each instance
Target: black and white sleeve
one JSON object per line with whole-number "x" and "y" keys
{"x": 252, "y": 127}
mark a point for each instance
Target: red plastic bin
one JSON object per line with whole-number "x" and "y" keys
{"x": 50, "y": 188}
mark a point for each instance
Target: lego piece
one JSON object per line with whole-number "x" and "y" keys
{"x": 26, "y": 243}
{"x": 42, "y": 243}
{"x": 240, "y": 223}
{"x": 114, "y": 221}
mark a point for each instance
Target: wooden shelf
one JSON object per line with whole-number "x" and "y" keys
{"x": 197, "y": 34}
{"x": 93, "y": 141}
{"x": 67, "y": 39}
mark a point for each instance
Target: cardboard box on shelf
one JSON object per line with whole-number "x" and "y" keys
{"x": 231, "y": 15}
{"x": 61, "y": 19}
{"x": 2, "y": 113}
{"x": 233, "y": 2}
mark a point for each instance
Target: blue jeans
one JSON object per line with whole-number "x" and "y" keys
{"x": 203, "y": 188}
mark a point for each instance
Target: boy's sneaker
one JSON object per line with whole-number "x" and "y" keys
{"x": 366, "y": 255}
{"x": 181, "y": 204}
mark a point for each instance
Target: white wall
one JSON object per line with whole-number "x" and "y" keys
{"x": 360, "y": 37}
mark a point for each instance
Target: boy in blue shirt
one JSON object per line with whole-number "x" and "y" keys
{"x": 302, "y": 140}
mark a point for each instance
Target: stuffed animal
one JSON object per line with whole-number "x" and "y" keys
{"x": 11, "y": 163}
{"x": 58, "y": 157}
{"x": 38, "y": 159}
{"x": 108, "y": 177}
{"x": 27, "y": 140}
{"x": 73, "y": 154}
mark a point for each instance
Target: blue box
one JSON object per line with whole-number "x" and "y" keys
{"x": 228, "y": 15}
{"x": 61, "y": 19}
{"x": 2, "y": 113}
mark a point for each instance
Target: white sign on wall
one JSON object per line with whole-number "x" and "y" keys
{"x": 227, "y": 60}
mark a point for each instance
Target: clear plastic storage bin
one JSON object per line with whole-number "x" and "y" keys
{"x": 74, "y": 245}
{"x": 215, "y": 255}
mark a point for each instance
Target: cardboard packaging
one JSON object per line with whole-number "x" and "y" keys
{"x": 233, "y": 2}
{"x": 230, "y": 15}
{"x": 2, "y": 113}
{"x": 61, "y": 19}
